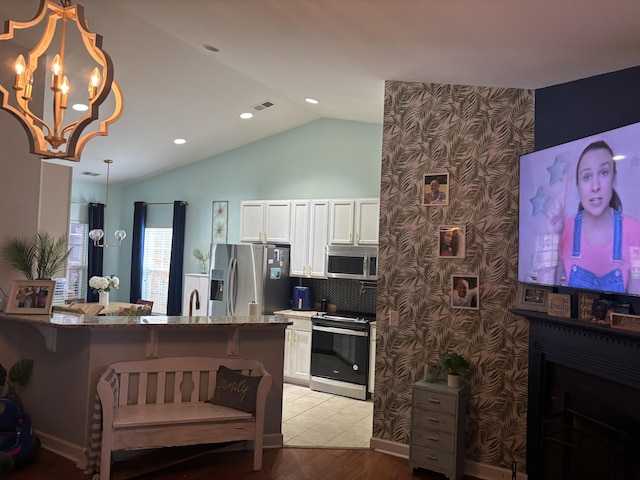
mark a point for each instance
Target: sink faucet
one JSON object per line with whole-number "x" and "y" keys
{"x": 194, "y": 293}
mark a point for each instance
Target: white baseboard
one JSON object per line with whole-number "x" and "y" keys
{"x": 62, "y": 447}
{"x": 490, "y": 472}
{"x": 392, "y": 448}
{"x": 474, "y": 469}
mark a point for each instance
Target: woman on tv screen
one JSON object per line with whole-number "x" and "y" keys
{"x": 585, "y": 240}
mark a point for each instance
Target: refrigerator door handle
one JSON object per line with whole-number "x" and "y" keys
{"x": 233, "y": 287}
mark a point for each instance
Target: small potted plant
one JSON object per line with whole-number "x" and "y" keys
{"x": 455, "y": 365}
{"x": 432, "y": 372}
{"x": 202, "y": 259}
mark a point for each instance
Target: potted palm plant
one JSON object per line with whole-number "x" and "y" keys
{"x": 455, "y": 365}
{"x": 38, "y": 257}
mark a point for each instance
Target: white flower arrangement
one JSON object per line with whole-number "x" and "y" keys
{"x": 104, "y": 284}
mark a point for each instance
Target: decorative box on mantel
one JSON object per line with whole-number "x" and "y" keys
{"x": 584, "y": 391}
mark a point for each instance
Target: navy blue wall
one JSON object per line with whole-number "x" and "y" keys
{"x": 573, "y": 110}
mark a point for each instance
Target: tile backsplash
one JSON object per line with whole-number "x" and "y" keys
{"x": 352, "y": 295}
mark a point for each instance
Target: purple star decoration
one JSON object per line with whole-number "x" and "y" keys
{"x": 538, "y": 202}
{"x": 556, "y": 171}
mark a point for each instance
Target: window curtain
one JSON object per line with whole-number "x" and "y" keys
{"x": 95, "y": 258}
{"x": 137, "y": 250}
{"x": 174, "y": 296}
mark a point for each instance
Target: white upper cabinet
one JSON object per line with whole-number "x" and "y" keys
{"x": 367, "y": 221}
{"x": 309, "y": 233}
{"x": 265, "y": 221}
{"x": 354, "y": 222}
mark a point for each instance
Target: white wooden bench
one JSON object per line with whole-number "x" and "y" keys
{"x": 161, "y": 403}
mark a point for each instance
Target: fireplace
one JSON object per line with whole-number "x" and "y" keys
{"x": 584, "y": 401}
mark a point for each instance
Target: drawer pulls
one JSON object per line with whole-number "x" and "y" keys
{"x": 434, "y": 400}
{"x": 433, "y": 439}
{"x": 432, "y": 457}
{"x": 435, "y": 420}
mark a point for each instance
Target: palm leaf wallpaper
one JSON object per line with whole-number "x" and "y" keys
{"x": 477, "y": 135}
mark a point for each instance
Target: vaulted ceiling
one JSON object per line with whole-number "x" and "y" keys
{"x": 338, "y": 52}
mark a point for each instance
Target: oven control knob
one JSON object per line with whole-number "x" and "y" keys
{"x": 355, "y": 367}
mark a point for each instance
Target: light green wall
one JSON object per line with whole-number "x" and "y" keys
{"x": 324, "y": 159}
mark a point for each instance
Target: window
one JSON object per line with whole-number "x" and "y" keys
{"x": 155, "y": 267}
{"x": 73, "y": 287}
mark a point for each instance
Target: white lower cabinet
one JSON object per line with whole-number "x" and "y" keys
{"x": 195, "y": 282}
{"x": 297, "y": 351}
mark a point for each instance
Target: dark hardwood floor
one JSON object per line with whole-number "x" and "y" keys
{"x": 279, "y": 464}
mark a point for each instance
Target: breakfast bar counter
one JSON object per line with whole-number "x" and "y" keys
{"x": 70, "y": 352}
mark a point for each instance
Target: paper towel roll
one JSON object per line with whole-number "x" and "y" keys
{"x": 254, "y": 309}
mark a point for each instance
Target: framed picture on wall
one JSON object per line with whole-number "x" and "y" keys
{"x": 220, "y": 213}
{"x": 451, "y": 241}
{"x": 465, "y": 291}
{"x": 30, "y": 297}
{"x": 435, "y": 189}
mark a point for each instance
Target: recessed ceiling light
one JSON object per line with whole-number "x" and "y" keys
{"x": 311, "y": 100}
{"x": 80, "y": 107}
{"x": 246, "y": 115}
{"x": 179, "y": 141}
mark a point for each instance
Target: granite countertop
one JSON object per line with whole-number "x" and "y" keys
{"x": 73, "y": 320}
{"x": 297, "y": 313}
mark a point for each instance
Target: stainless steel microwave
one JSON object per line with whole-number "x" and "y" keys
{"x": 359, "y": 263}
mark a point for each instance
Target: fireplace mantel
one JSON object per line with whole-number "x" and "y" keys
{"x": 598, "y": 350}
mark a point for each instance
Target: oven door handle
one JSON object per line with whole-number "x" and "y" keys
{"x": 340, "y": 331}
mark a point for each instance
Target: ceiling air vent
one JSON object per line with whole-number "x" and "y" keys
{"x": 90, "y": 174}
{"x": 262, "y": 106}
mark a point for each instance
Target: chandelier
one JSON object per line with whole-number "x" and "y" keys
{"x": 97, "y": 234}
{"x": 48, "y": 136}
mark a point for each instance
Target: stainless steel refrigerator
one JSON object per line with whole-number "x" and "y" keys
{"x": 241, "y": 274}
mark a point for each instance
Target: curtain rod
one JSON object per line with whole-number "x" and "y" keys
{"x": 165, "y": 203}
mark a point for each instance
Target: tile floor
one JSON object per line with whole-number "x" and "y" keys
{"x": 317, "y": 419}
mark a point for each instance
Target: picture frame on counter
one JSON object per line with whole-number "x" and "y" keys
{"x": 435, "y": 189}
{"x": 532, "y": 297}
{"x": 29, "y": 297}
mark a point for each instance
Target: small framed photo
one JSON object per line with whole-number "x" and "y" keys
{"x": 465, "y": 292}
{"x": 29, "y": 297}
{"x": 451, "y": 241}
{"x": 436, "y": 189}
{"x": 533, "y": 297}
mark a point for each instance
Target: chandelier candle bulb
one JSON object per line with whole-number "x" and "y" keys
{"x": 20, "y": 68}
{"x": 56, "y": 69}
{"x": 94, "y": 81}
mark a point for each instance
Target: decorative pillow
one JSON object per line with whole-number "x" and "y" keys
{"x": 235, "y": 390}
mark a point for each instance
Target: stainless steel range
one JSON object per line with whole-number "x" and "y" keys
{"x": 340, "y": 353}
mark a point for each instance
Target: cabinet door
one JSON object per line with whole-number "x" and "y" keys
{"x": 299, "y": 253}
{"x": 319, "y": 233}
{"x": 341, "y": 222}
{"x": 302, "y": 357}
{"x": 288, "y": 353}
{"x": 251, "y": 221}
{"x": 367, "y": 221}
{"x": 277, "y": 222}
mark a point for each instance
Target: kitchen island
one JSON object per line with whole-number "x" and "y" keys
{"x": 70, "y": 351}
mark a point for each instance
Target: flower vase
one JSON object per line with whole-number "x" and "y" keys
{"x": 103, "y": 298}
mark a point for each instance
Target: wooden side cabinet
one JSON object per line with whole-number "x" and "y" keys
{"x": 438, "y": 420}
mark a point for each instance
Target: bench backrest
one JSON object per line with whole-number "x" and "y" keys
{"x": 171, "y": 380}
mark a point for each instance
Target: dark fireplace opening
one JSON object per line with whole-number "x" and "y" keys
{"x": 590, "y": 427}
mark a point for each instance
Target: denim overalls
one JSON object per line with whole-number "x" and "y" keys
{"x": 582, "y": 278}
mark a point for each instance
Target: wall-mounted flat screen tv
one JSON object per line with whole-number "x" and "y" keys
{"x": 580, "y": 213}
